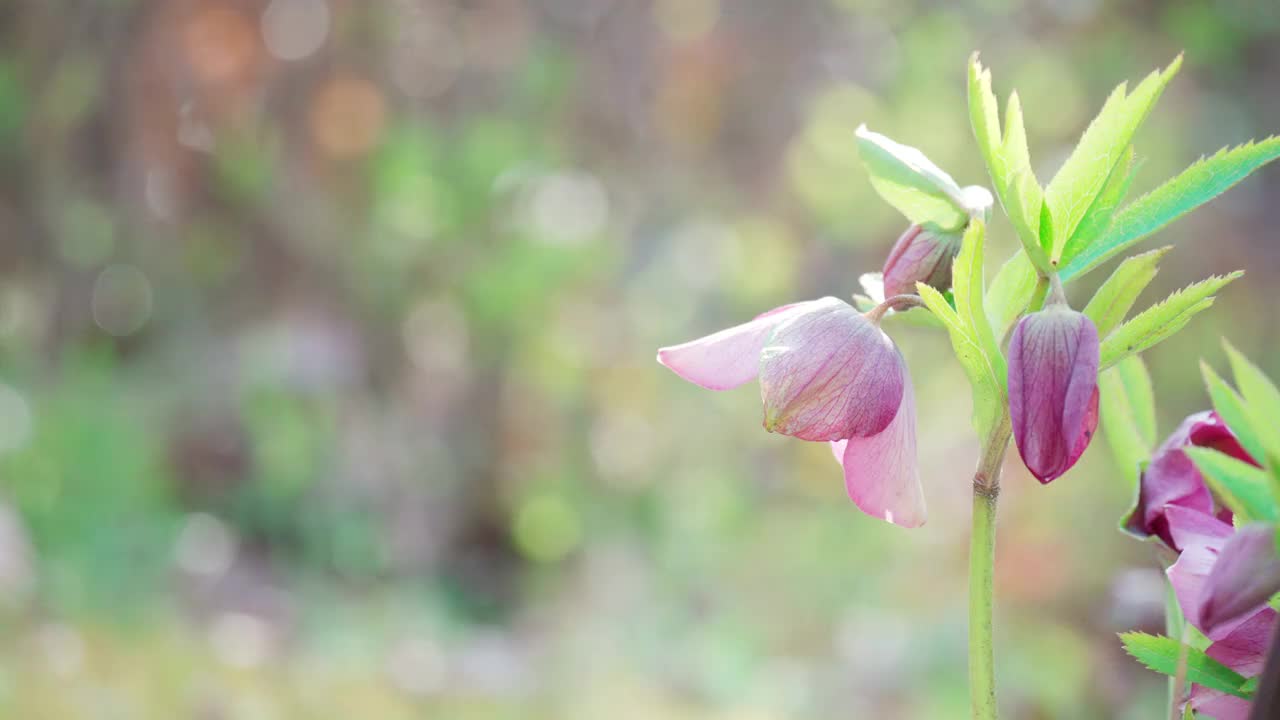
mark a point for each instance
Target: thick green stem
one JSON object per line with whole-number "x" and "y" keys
{"x": 982, "y": 558}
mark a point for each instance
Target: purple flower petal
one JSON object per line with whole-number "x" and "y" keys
{"x": 829, "y": 373}
{"x": 920, "y": 255}
{"x": 1053, "y": 389}
{"x": 1245, "y": 576}
{"x": 880, "y": 472}
{"x": 1243, "y": 650}
{"x": 729, "y": 358}
{"x": 1201, "y": 537}
{"x": 1172, "y": 479}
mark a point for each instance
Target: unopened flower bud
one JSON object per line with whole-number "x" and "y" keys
{"x": 1053, "y": 388}
{"x": 920, "y": 255}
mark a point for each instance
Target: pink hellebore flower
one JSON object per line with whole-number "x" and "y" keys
{"x": 1053, "y": 388}
{"x": 827, "y": 373}
{"x": 1224, "y": 574}
{"x": 920, "y": 255}
{"x": 1171, "y": 479}
{"x": 1223, "y": 580}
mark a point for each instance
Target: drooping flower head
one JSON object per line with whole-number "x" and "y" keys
{"x": 920, "y": 255}
{"x": 1223, "y": 580}
{"x": 1053, "y": 388}
{"x": 827, "y": 373}
{"x": 1171, "y": 479}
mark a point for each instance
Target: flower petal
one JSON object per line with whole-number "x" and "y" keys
{"x": 1201, "y": 538}
{"x": 1172, "y": 479}
{"x": 1053, "y": 389}
{"x": 880, "y": 472}
{"x": 729, "y": 358}
{"x": 829, "y": 373}
{"x": 1244, "y": 650}
{"x": 1245, "y": 576}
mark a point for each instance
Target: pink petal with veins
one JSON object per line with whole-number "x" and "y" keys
{"x": 829, "y": 373}
{"x": 729, "y": 358}
{"x": 881, "y": 474}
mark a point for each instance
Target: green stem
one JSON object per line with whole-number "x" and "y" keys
{"x": 1173, "y": 625}
{"x": 982, "y": 558}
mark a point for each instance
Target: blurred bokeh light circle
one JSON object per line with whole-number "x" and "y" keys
{"x": 347, "y": 116}
{"x": 121, "y": 302}
{"x": 295, "y": 29}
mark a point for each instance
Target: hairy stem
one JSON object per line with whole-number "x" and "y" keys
{"x": 982, "y": 558}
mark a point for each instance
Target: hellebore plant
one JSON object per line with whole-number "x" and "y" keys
{"x": 1209, "y": 499}
{"x": 828, "y": 372}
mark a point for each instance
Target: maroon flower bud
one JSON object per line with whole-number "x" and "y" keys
{"x": 920, "y": 255}
{"x": 1053, "y": 388}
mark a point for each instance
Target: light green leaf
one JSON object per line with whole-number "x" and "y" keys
{"x": 1028, "y": 213}
{"x": 1243, "y": 487}
{"x": 967, "y": 285}
{"x": 988, "y": 388}
{"x": 984, "y": 115}
{"x": 1072, "y": 191}
{"x": 1113, "y": 300}
{"x": 1008, "y": 162}
{"x": 1010, "y": 291}
{"x": 1098, "y": 218}
{"x": 1235, "y": 413}
{"x": 910, "y": 182}
{"x": 1261, "y": 398}
{"x": 1128, "y": 413}
{"x": 1198, "y": 184}
{"x": 1162, "y": 320}
{"x": 1164, "y": 655}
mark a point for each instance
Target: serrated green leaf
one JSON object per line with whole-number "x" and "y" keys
{"x": 1072, "y": 191}
{"x": 910, "y": 182}
{"x": 984, "y": 115}
{"x": 1164, "y": 655}
{"x": 1234, "y": 411}
{"x": 1198, "y": 184}
{"x": 1008, "y": 162}
{"x": 988, "y": 388}
{"x": 1261, "y": 398}
{"x": 1244, "y": 488}
{"x": 1162, "y": 320}
{"x": 1098, "y": 217}
{"x": 1128, "y": 413}
{"x": 1113, "y": 300}
{"x": 1010, "y": 292}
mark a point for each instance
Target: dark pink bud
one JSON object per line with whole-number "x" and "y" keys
{"x": 920, "y": 255}
{"x": 1171, "y": 479}
{"x": 1053, "y": 388}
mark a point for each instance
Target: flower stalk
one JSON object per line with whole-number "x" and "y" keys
{"x": 982, "y": 557}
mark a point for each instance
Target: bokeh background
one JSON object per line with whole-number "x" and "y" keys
{"x": 326, "y": 355}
